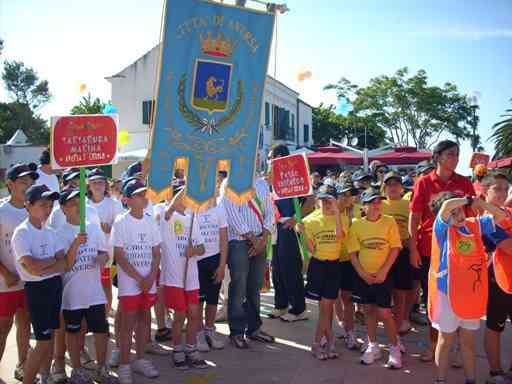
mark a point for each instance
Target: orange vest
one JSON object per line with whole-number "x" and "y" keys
{"x": 464, "y": 276}
{"x": 502, "y": 261}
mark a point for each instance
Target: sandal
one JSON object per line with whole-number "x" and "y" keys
{"x": 319, "y": 352}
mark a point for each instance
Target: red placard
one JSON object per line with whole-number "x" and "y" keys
{"x": 83, "y": 140}
{"x": 479, "y": 158}
{"x": 290, "y": 177}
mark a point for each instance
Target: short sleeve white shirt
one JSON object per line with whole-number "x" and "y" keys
{"x": 57, "y": 218}
{"x": 137, "y": 237}
{"x": 175, "y": 237}
{"x": 82, "y": 284}
{"x": 40, "y": 244}
{"x": 10, "y": 218}
{"x": 210, "y": 222}
{"x": 51, "y": 181}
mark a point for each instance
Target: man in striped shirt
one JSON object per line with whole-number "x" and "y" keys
{"x": 249, "y": 227}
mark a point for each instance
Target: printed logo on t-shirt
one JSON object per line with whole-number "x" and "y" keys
{"x": 209, "y": 230}
{"x": 179, "y": 228}
{"x": 44, "y": 251}
{"x": 465, "y": 246}
{"x": 325, "y": 237}
{"x": 140, "y": 254}
{"x": 375, "y": 243}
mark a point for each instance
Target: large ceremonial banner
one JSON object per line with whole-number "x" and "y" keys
{"x": 212, "y": 72}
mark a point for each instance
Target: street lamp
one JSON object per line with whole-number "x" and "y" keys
{"x": 473, "y": 103}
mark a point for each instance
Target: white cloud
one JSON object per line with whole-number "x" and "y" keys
{"x": 468, "y": 33}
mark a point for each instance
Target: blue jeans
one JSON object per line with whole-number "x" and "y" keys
{"x": 247, "y": 274}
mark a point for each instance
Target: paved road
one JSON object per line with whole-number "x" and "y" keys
{"x": 289, "y": 360}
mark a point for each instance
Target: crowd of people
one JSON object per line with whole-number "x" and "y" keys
{"x": 378, "y": 246}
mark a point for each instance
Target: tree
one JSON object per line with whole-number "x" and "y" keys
{"x": 328, "y": 125}
{"x": 408, "y": 109}
{"x": 87, "y": 106}
{"x": 14, "y": 116}
{"x": 1, "y": 46}
{"x": 502, "y": 135}
{"x": 24, "y": 85}
{"x": 29, "y": 93}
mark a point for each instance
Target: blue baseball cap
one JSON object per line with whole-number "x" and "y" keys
{"x": 68, "y": 194}
{"x": 133, "y": 187}
{"x": 40, "y": 192}
{"x": 96, "y": 174}
{"x": 327, "y": 192}
{"x": 134, "y": 169}
{"x": 360, "y": 175}
{"x": 70, "y": 174}
{"x": 22, "y": 169}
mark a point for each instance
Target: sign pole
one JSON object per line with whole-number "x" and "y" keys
{"x": 83, "y": 189}
{"x": 298, "y": 218}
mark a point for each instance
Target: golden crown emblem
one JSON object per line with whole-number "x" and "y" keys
{"x": 219, "y": 46}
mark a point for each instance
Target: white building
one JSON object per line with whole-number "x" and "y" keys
{"x": 284, "y": 117}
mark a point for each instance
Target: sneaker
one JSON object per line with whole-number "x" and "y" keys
{"x": 202, "y": 344}
{"x": 80, "y": 376}
{"x": 261, "y": 336}
{"x": 87, "y": 361}
{"x": 153, "y": 348}
{"x": 427, "y": 355}
{"x": 114, "y": 358}
{"x": 179, "y": 360}
{"x": 58, "y": 375}
{"x": 145, "y": 368}
{"x": 405, "y": 328}
{"x": 290, "y": 317}
{"x": 104, "y": 376}
{"x": 339, "y": 332}
{"x": 351, "y": 341}
{"x": 194, "y": 360}
{"x": 18, "y": 371}
{"x": 277, "y": 313}
{"x": 395, "y": 357}
{"x": 213, "y": 340}
{"x": 125, "y": 374}
{"x": 371, "y": 354}
{"x": 239, "y": 341}
{"x": 331, "y": 351}
{"x": 319, "y": 352}
{"x": 499, "y": 379}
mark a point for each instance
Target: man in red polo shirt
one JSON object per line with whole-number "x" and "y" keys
{"x": 421, "y": 220}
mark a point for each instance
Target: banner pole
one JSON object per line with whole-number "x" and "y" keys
{"x": 83, "y": 189}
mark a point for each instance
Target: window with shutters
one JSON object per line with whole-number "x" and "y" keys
{"x": 306, "y": 133}
{"x": 147, "y": 111}
{"x": 267, "y": 115}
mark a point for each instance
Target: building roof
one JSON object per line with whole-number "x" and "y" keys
{"x": 303, "y": 102}
{"x": 157, "y": 47}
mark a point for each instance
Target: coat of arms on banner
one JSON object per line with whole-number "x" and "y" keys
{"x": 213, "y": 64}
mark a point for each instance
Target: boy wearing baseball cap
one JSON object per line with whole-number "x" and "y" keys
{"x": 40, "y": 260}
{"x": 374, "y": 243}
{"x": 86, "y": 254}
{"x": 12, "y": 295}
{"x": 136, "y": 241}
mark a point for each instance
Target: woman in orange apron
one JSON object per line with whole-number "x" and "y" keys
{"x": 458, "y": 282}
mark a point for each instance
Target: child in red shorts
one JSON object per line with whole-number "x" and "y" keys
{"x": 136, "y": 240}
{"x": 180, "y": 279}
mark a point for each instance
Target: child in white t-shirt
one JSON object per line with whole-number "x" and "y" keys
{"x": 39, "y": 262}
{"x": 136, "y": 240}
{"x": 86, "y": 254}
{"x": 108, "y": 209}
{"x": 180, "y": 279}
{"x": 211, "y": 266}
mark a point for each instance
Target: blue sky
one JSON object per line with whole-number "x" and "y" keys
{"x": 467, "y": 42}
